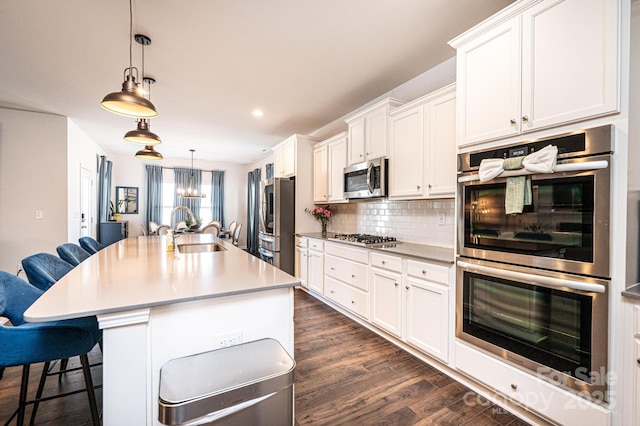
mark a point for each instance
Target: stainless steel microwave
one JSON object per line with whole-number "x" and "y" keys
{"x": 366, "y": 180}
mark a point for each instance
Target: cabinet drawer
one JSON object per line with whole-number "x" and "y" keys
{"x": 346, "y": 271}
{"x": 428, "y": 271}
{"x": 538, "y": 395}
{"x": 341, "y": 250}
{"x": 316, "y": 244}
{"x": 383, "y": 261}
{"x": 302, "y": 242}
{"x": 357, "y": 301}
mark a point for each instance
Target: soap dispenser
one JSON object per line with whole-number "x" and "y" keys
{"x": 172, "y": 240}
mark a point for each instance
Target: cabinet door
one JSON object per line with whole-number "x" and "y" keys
{"x": 315, "y": 273}
{"x": 320, "y": 174}
{"x": 376, "y": 133}
{"x": 441, "y": 146}
{"x": 355, "y": 147}
{"x": 406, "y": 153}
{"x": 636, "y": 384}
{"x": 488, "y": 80}
{"x": 387, "y": 301}
{"x": 569, "y": 61}
{"x": 289, "y": 158}
{"x": 278, "y": 161}
{"x": 302, "y": 266}
{"x": 427, "y": 310}
{"x": 337, "y": 163}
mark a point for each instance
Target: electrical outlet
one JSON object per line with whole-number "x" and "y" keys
{"x": 227, "y": 339}
{"x": 442, "y": 219}
{"x": 39, "y": 214}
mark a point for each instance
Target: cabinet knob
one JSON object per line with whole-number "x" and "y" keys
{"x": 407, "y": 287}
{"x": 418, "y": 186}
{"x": 514, "y": 386}
{"x": 353, "y": 276}
{"x": 332, "y": 268}
{"x": 396, "y": 284}
{"x": 383, "y": 262}
{"x": 424, "y": 272}
{"x": 638, "y": 360}
{"x": 331, "y": 291}
{"x": 525, "y": 118}
{"x": 366, "y": 153}
{"x": 353, "y": 302}
{"x": 512, "y": 122}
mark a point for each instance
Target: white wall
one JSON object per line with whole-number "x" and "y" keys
{"x": 33, "y": 176}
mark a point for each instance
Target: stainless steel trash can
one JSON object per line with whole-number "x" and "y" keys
{"x": 246, "y": 384}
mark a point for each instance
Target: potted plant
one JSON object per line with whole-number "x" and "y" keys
{"x": 115, "y": 213}
{"x": 195, "y": 225}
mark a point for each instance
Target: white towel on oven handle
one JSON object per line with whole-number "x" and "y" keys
{"x": 543, "y": 161}
{"x": 490, "y": 168}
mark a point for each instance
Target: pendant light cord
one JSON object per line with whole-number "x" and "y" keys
{"x": 131, "y": 37}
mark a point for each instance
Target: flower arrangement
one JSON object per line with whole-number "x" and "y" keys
{"x": 323, "y": 214}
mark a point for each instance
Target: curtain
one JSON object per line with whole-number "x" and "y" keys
{"x": 269, "y": 170}
{"x": 154, "y": 194}
{"x": 253, "y": 212}
{"x": 104, "y": 192}
{"x": 217, "y": 195}
{"x": 184, "y": 179}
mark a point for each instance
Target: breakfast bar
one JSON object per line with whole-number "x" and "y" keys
{"x": 155, "y": 305}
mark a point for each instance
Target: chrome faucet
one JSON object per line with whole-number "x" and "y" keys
{"x": 185, "y": 208}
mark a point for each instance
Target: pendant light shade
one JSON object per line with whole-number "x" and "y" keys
{"x": 142, "y": 134}
{"x": 190, "y": 192}
{"x": 127, "y": 102}
{"x": 148, "y": 153}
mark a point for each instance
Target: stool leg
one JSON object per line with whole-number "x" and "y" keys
{"x": 23, "y": 394}
{"x": 43, "y": 377}
{"x": 95, "y": 416}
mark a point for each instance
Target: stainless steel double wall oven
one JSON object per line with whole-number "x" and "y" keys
{"x": 533, "y": 288}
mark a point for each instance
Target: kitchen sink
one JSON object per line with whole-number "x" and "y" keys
{"x": 200, "y": 248}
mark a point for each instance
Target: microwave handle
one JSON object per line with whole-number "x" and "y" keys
{"x": 369, "y": 171}
{"x": 539, "y": 279}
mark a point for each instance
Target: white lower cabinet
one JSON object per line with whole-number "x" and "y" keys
{"x": 353, "y": 299}
{"x": 302, "y": 261}
{"x": 346, "y": 277}
{"x": 387, "y": 300}
{"x": 315, "y": 272}
{"x": 560, "y": 406}
{"x": 427, "y": 308}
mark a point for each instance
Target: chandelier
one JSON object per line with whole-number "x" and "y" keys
{"x": 190, "y": 191}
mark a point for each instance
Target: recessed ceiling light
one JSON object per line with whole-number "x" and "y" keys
{"x": 257, "y": 113}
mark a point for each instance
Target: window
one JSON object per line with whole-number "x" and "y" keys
{"x": 169, "y": 189}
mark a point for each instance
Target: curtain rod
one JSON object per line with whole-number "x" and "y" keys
{"x": 202, "y": 170}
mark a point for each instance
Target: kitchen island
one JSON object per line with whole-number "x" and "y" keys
{"x": 154, "y": 305}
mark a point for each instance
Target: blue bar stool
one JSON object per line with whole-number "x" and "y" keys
{"x": 44, "y": 270}
{"x": 72, "y": 253}
{"x": 90, "y": 245}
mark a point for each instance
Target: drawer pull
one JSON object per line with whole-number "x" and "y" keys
{"x": 525, "y": 118}
{"x": 353, "y": 302}
{"x": 424, "y": 272}
{"x": 332, "y": 268}
{"x": 331, "y": 291}
{"x": 638, "y": 360}
{"x": 407, "y": 287}
{"x": 383, "y": 262}
{"x": 512, "y": 122}
{"x": 353, "y": 276}
{"x": 396, "y": 284}
{"x": 514, "y": 386}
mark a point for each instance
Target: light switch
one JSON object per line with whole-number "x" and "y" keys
{"x": 39, "y": 214}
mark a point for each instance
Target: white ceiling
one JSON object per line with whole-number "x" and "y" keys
{"x": 305, "y": 63}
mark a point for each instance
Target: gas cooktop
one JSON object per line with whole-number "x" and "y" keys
{"x": 365, "y": 239}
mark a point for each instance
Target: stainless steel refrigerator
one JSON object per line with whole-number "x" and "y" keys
{"x": 276, "y": 243}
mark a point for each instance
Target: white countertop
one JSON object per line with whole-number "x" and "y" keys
{"x": 139, "y": 273}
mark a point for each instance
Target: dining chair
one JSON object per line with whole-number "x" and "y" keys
{"x": 90, "y": 245}
{"x": 215, "y": 222}
{"x": 163, "y": 229}
{"x": 143, "y": 230}
{"x": 235, "y": 237}
{"x": 72, "y": 253}
{"x": 232, "y": 227}
{"x": 211, "y": 229}
{"x": 153, "y": 228}
{"x": 181, "y": 225}
{"x": 43, "y": 269}
{"x": 24, "y": 344}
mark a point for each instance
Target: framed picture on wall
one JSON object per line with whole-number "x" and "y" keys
{"x": 127, "y": 199}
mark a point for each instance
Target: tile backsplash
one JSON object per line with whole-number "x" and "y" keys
{"x": 421, "y": 221}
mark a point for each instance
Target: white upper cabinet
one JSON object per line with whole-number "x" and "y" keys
{"x": 534, "y": 65}
{"x": 329, "y": 161}
{"x": 284, "y": 161}
{"x": 368, "y": 132}
{"x": 422, "y": 147}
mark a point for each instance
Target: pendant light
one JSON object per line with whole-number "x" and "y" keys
{"x": 190, "y": 192}
{"x": 148, "y": 153}
{"x": 127, "y": 102}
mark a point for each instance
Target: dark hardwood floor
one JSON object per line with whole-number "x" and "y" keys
{"x": 345, "y": 375}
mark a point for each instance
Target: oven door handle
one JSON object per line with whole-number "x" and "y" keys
{"x": 265, "y": 253}
{"x": 369, "y": 170}
{"x": 566, "y": 167}
{"x": 539, "y": 279}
